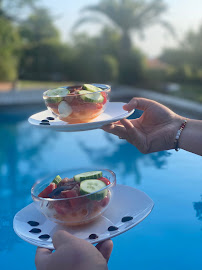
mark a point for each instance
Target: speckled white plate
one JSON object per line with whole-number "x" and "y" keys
{"x": 126, "y": 202}
{"x": 113, "y": 112}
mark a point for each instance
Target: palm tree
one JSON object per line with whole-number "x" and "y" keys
{"x": 127, "y": 16}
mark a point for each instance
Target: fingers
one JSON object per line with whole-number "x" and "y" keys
{"x": 131, "y": 130}
{"x": 105, "y": 249}
{"x": 138, "y": 103}
{"x": 41, "y": 257}
{"x": 127, "y": 124}
{"x": 116, "y": 130}
{"x": 135, "y": 136}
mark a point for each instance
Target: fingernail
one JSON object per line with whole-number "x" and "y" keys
{"x": 130, "y": 106}
{"x": 127, "y": 108}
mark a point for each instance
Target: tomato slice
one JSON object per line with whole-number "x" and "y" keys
{"x": 105, "y": 97}
{"x": 105, "y": 180}
{"x": 99, "y": 106}
{"x": 71, "y": 194}
{"x": 47, "y": 190}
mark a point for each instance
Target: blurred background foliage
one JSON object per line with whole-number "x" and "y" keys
{"x": 31, "y": 47}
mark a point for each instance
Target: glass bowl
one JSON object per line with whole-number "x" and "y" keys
{"x": 77, "y": 106}
{"x": 76, "y": 210}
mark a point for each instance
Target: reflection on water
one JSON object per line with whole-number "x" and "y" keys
{"x": 20, "y": 153}
{"x": 27, "y": 152}
{"x": 123, "y": 151}
{"x": 198, "y": 208}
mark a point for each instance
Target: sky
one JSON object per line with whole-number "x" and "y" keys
{"x": 182, "y": 14}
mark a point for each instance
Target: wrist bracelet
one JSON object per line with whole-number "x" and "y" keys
{"x": 176, "y": 142}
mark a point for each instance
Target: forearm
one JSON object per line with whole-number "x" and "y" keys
{"x": 191, "y": 137}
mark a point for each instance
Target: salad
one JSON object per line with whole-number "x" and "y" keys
{"x": 77, "y": 104}
{"x": 76, "y": 200}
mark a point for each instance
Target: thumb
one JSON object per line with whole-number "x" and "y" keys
{"x": 105, "y": 248}
{"x": 138, "y": 103}
{"x": 41, "y": 257}
{"x": 63, "y": 237}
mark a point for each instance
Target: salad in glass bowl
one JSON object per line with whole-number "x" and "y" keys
{"x": 77, "y": 104}
{"x": 74, "y": 197}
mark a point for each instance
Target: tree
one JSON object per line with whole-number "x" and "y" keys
{"x": 94, "y": 59}
{"x": 98, "y": 59}
{"x": 192, "y": 47}
{"x": 9, "y": 50}
{"x": 46, "y": 60}
{"x": 38, "y": 27}
{"x": 127, "y": 16}
{"x": 42, "y": 51}
{"x": 12, "y": 10}
{"x": 10, "y": 41}
{"x": 186, "y": 59}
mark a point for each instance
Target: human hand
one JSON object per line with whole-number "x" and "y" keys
{"x": 154, "y": 131}
{"x": 73, "y": 253}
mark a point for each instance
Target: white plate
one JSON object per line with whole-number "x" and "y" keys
{"x": 127, "y": 201}
{"x": 113, "y": 112}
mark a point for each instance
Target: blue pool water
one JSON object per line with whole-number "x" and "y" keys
{"x": 169, "y": 238}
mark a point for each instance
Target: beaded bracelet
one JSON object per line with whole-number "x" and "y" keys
{"x": 176, "y": 142}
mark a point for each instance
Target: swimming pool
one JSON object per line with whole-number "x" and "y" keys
{"x": 169, "y": 238}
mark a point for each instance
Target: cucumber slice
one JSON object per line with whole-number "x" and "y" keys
{"x": 64, "y": 109}
{"x": 88, "y": 175}
{"x": 88, "y": 96}
{"x": 57, "y": 92}
{"x": 92, "y": 185}
{"x": 53, "y": 93}
{"x": 57, "y": 180}
{"x": 54, "y": 99}
{"x": 91, "y": 88}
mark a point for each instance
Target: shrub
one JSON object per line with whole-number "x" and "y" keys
{"x": 45, "y": 61}
{"x": 132, "y": 67}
